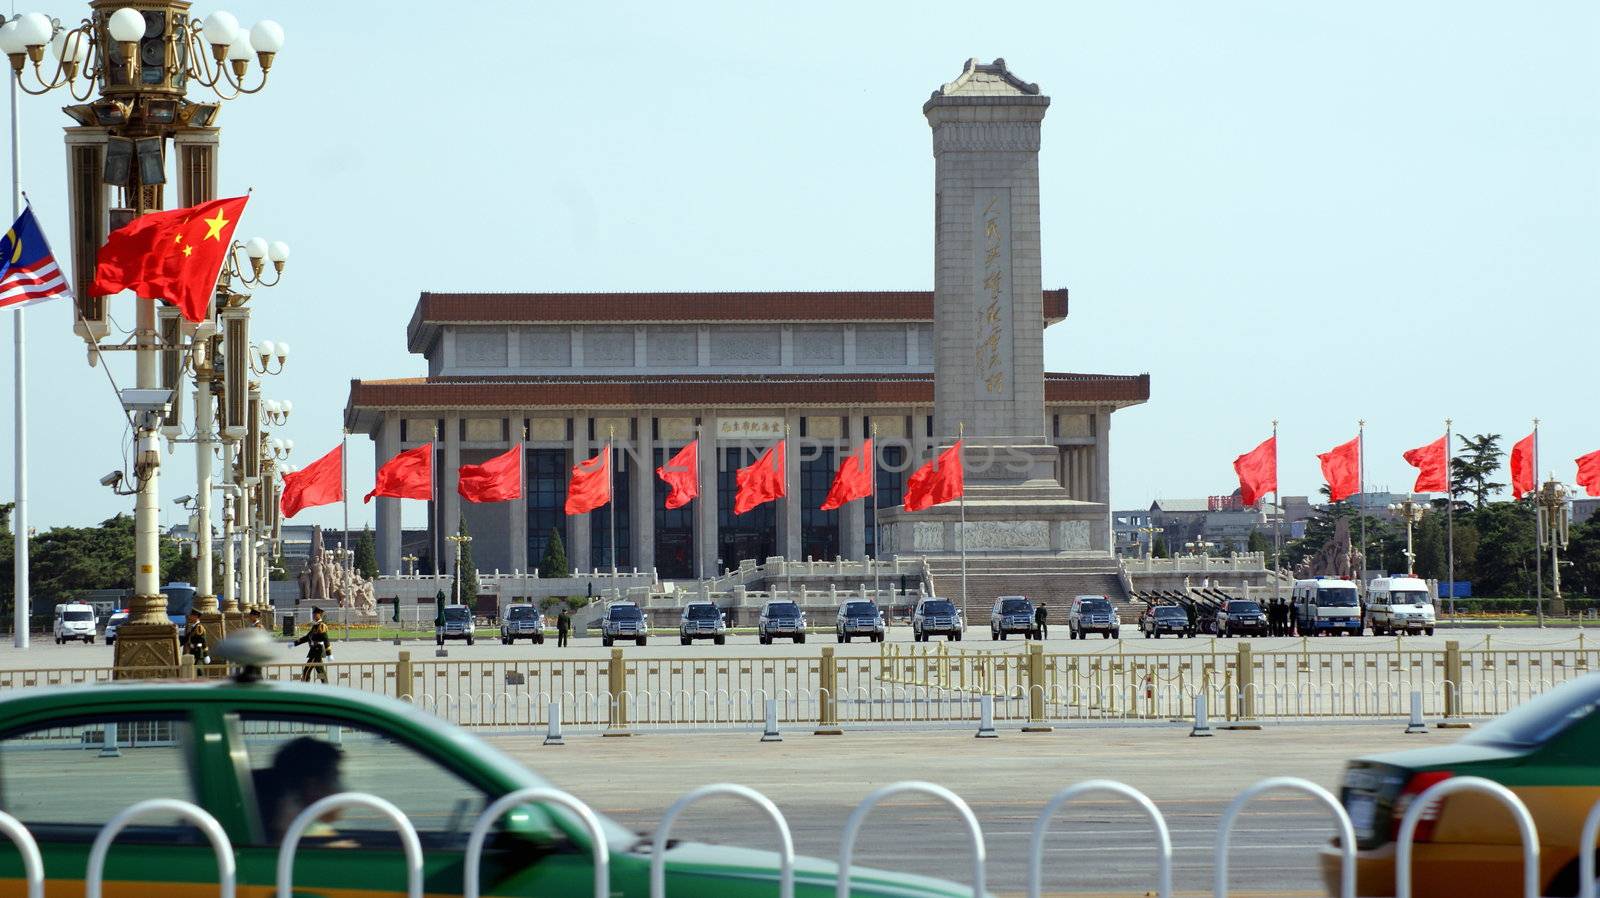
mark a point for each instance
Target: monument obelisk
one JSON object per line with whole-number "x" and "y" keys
{"x": 989, "y": 331}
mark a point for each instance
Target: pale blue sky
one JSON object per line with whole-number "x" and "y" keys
{"x": 1315, "y": 212}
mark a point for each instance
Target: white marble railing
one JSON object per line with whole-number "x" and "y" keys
{"x": 1238, "y": 562}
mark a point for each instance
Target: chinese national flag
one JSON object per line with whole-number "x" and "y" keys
{"x": 590, "y": 487}
{"x": 1433, "y": 467}
{"x": 408, "y": 475}
{"x": 938, "y": 481}
{"x": 1589, "y": 473}
{"x": 1258, "y": 471}
{"x": 319, "y": 483}
{"x": 1341, "y": 468}
{"x": 762, "y": 481}
{"x": 1522, "y": 474}
{"x": 173, "y": 256}
{"x": 497, "y": 480}
{"x": 682, "y": 473}
{"x": 854, "y": 480}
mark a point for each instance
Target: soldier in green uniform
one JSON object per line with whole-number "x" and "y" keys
{"x": 194, "y": 639}
{"x": 318, "y": 648}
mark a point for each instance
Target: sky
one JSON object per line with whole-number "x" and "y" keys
{"x": 1317, "y": 213}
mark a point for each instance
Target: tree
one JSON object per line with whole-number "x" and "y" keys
{"x": 367, "y": 554}
{"x": 1471, "y": 469}
{"x": 1258, "y": 542}
{"x": 466, "y": 570}
{"x": 1504, "y": 558}
{"x": 554, "y": 562}
{"x": 1158, "y": 547}
{"x": 1583, "y": 552}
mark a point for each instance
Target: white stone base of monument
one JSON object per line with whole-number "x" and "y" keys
{"x": 1020, "y": 520}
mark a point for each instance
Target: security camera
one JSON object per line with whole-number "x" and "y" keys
{"x": 183, "y": 500}
{"x": 145, "y": 400}
{"x": 112, "y": 479}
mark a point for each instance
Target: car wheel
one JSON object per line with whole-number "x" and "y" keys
{"x": 604, "y": 640}
{"x": 539, "y": 640}
{"x": 1430, "y": 631}
{"x": 1152, "y": 635}
{"x": 471, "y": 640}
{"x": 1002, "y": 636}
{"x": 799, "y": 639}
{"x": 721, "y": 640}
{"x": 684, "y": 640}
{"x": 640, "y": 641}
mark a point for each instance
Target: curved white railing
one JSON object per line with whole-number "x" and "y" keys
{"x": 1519, "y": 813}
{"x": 1347, "y": 833}
{"x": 847, "y": 842}
{"x": 1157, "y": 821}
{"x": 32, "y": 863}
{"x": 658, "y": 843}
{"x": 408, "y": 837}
{"x": 1587, "y": 845}
{"x": 194, "y": 814}
{"x": 599, "y": 849}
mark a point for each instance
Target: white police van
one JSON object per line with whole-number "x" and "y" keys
{"x": 1400, "y": 605}
{"x": 1327, "y": 605}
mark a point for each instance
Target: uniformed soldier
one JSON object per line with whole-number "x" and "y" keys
{"x": 254, "y": 618}
{"x": 194, "y": 639}
{"x": 563, "y": 627}
{"x": 1041, "y": 620}
{"x": 318, "y": 648}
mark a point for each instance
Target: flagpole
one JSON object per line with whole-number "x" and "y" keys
{"x": 788, "y": 563}
{"x": 1277, "y": 520}
{"x": 1450, "y": 513}
{"x": 1361, "y": 505}
{"x": 877, "y": 534}
{"x": 961, "y": 430}
{"x": 611, "y": 492}
{"x": 435, "y": 536}
{"x": 1538, "y": 533}
{"x": 696, "y": 525}
{"x": 21, "y": 605}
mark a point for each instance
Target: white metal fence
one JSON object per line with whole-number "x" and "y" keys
{"x": 34, "y": 877}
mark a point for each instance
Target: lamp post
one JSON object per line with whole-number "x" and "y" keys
{"x": 1554, "y": 521}
{"x": 129, "y": 69}
{"x": 459, "y": 539}
{"x": 411, "y": 562}
{"x": 1411, "y": 512}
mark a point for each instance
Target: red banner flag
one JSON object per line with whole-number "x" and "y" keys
{"x": 408, "y": 475}
{"x": 173, "y": 255}
{"x": 1589, "y": 473}
{"x": 319, "y": 483}
{"x": 1258, "y": 471}
{"x": 937, "y": 481}
{"x": 763, "y": 480}
{"x": 1433, "y": 467}
{"x": 590, "y": 487}
{"x": 682, "y": 473}
{"x": 497, "y": 480}
{"x": 854, "y": 479}
{"x": 1341, "y": 468}
{"x": 1522, "y": 473}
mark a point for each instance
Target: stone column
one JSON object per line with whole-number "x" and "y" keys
{"x": 578, "y": 525}
{"x": 643, "y": 509}
{"x": 705, "y": 535}
{"x": 518, "y": 531}
{"x": 853, "y": 517}
{"x": 788, "y": 542}
{"x": 448, "y": 499}
{"x": 1102, "y": 475}
{"x": 386, "y": 446}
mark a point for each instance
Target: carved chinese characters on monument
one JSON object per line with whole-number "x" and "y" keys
{"x": 991, "y": 245}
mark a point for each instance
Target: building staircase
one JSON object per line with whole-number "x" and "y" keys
{"x": 1051, "y": 579}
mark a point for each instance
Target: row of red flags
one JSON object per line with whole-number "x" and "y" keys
{"x": 1341, "y": 468}
{"x": 409, "y": 475}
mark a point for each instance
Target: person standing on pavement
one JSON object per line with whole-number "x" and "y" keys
{"x": 319, "y": 648}
{"x": 194, "y": 639}
{"x": 563, "y": 627}
{"x": 1041, "y": 621}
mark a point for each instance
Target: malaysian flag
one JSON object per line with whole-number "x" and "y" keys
{"x": 28, "y": 270}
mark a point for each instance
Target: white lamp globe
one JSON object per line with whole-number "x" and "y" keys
{"x": 239, "y": 50}
{"x": 288, "y": 406}
{"x": 70, "y": 46}
{"x": 220, "y": 28}
{"x": 277, "y": 444}
{"x": 266, "y": 347}
{"x": 256, "y": 248}
{"x": 283, "y": 351}
{"x": 126, "y": 25}
{"x": 271, "y": 406}
{"x": 288, "y": 445}
{"x": 10, "y": 40}
{"x": 35, "y": 29}
{"x": 266, "y": 36}
{"x": 278, "y": 251}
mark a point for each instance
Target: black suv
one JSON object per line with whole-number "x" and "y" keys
{"x": 1242, "y": 618}
{"x": 1012, "y": 614}
{"x": 1171, "y": 619}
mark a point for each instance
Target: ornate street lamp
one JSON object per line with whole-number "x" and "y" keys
{"x": 1411, "y": 512}
{"x": 1554, "y": 520}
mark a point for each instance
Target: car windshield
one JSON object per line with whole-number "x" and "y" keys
{"x": 1410, "y": 597}
{"x": 624, "y": 612}
{"x": 1243, "y": 608}
{"x": 119, "y": 617}
{"x": 77, "y": 615}
{"x": 522, "y": 612}
{"x": 457, "y": 614}
{"x": 1538, "y": 720}
{"x": 861, "y": 609}
{"x": 783, "y": 609}
{"x": 1013, "y": 606}
{"x": 1095, "y": 605}
{"x": 938, "y": 608}
{"x": 1171, "y": 611}
{"x": 1337, "y": 598}
{"x": 703, "y": 612}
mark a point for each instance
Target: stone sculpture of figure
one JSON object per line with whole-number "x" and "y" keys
{"x": 327, "y": 579}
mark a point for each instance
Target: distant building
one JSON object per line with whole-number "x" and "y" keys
{"x": 1223, "y": 521}
{"x": 1584, "y": 509}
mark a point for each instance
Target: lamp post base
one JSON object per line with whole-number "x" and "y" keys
{"x": 146, "y": 651}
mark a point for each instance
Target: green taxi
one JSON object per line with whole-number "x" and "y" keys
{"x": 254, "y": 754}
{"x": 1546, "y": 752}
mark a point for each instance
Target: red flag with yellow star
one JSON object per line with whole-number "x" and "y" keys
{"x": 174, "y": 256}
